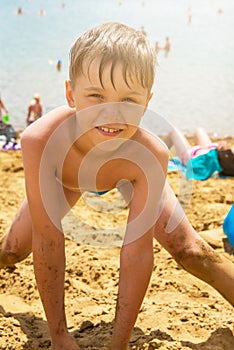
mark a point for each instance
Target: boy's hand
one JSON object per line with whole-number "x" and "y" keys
{"x": 65, "y": 342}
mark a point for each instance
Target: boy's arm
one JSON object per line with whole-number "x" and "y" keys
{"x": 136, "y": 260}
{"x": 48, "y": 239}
{"x": 136, "y": 263}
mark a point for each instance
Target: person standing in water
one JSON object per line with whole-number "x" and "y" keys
{"x": 34, "y": 110}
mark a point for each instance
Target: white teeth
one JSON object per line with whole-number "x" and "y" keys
{"x": 109, "y": 130}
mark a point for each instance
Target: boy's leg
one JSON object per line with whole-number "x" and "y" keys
{"x": 191, "y": 251}
{"x": 17, "y": 243}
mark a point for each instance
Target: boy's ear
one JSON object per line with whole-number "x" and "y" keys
{"x": 69, "y": 94}
{"x": 147, "y": 101}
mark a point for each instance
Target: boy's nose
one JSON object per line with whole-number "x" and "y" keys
{"x": 121, "y": 113}
{"x": 111, "y": 113}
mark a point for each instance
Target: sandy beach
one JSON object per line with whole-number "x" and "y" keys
{"x": 179, "y": 311}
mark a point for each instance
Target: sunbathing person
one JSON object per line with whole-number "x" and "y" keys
{"x": 205, "y": 158}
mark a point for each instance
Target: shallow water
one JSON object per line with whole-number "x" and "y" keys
{"x": 194, "y": 84}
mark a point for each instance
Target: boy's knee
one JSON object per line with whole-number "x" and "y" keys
{"x": 8, "y": 255}
{"x": 197, "y": 257}
{"x": 8, "y": 260}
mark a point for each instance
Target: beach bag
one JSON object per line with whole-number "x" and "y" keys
{"x": 8, "y": 131}
{"x": 226, "y": 160}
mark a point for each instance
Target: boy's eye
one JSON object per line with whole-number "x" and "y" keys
{"x": 129, "y": 100}
{"x": 96, "y": 96}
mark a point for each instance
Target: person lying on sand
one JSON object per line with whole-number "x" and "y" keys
{"x": 205, "y": 158}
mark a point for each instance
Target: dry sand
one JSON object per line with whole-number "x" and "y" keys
{"x": 179, "y": 311}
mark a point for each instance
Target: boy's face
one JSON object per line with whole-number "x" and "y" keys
{"x": 89, "y": 92}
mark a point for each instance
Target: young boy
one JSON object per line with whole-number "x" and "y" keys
{"x": 98, "y": 148}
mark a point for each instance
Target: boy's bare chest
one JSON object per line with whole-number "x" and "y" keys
{"x": 94, "y": 173}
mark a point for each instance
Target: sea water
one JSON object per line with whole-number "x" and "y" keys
{"x": 194, "y": 81}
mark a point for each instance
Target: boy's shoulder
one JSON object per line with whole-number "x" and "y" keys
{"x": 150, "y": 140}
{"x": 51, "y": 124}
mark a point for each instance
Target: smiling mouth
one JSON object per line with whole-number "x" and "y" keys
{"x": 108, "y": 131}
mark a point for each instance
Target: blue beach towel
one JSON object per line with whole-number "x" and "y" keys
{"x": 198, "y": 168}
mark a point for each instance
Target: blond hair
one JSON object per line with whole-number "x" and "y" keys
{"x": 115, "y": 42}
